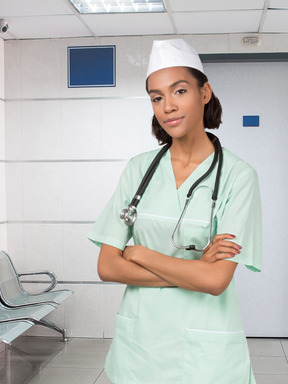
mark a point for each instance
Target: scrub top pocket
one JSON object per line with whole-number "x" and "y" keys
{"x": 196, "y": 233}
{"x": 213, "y": 357}
{"x": 118, "y": 361}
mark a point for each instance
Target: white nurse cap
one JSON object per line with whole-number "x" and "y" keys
{"x": 173, "y": 53}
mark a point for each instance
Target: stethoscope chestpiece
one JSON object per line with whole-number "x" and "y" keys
{"x": 129, "y": 215}
{"x": 190, "y": 248}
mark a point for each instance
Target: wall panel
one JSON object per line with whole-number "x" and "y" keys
{"x": 66, "y": 148}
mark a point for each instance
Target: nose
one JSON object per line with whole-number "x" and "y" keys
{"x": 169, "y": 105}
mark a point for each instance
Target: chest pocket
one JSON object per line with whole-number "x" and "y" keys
{"x": 195, "y": 226}
{"x": 155, "y": 222}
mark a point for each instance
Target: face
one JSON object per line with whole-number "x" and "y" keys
{"x": 178, "y": 102}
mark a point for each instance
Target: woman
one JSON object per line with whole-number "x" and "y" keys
{"x": 179, "y": 320}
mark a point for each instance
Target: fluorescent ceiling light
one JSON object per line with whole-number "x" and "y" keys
{"x": 118, "y": 6}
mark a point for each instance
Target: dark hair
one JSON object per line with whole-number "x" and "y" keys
{"x": 212, "y": 110}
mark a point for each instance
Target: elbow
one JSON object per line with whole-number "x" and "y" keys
{"x": 215, "y": 291}
{"x": 218, "y": 287}
{"x": 103, "y": 272}
{"x": 108, "y": 263}
{"x": 220, "y": 277}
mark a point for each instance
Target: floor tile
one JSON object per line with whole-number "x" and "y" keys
{"x": 80, "y": 358}
{"x": 265, "y": 347}
{"x": 30, "y": 351}
{"x": 21, "y": 361}
{"x": 66, "y": 376}
{"x": 269, "y": 365}
{"x": 17, "y": 374}
{"x": 12, "y": 357}
{"x": 47, "y": 360}
{"x": 92, "y": 345}
{"x": 271, "y": 379}
{"x": 48, "y": 346}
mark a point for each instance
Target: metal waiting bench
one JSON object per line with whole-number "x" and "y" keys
{"x": 20, "y": 310}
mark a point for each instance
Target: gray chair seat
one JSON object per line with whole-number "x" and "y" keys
{"x": 12, "y": 293}
{"x": 10, "y": 331}
{"x": 20, "y": 310}
{"x": 15, "y": 321}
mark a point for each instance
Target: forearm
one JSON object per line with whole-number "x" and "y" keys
{"x": 195, "y": 275}
{"x": 187, "y": 274}
{"x": 113, "y": 267}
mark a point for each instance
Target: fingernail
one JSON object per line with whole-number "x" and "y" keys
{"x": 232, "y": 254}
{"x": 239, "y": 246}
{"x": 232, "y": 236}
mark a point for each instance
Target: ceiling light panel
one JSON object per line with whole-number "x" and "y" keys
{"x": 118, "y": 6}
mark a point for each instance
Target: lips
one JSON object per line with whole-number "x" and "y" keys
{"x": 173, "y": 120}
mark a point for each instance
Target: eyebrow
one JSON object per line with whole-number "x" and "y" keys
{"x": 171, "y": 86}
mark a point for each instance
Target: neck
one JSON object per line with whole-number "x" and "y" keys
{"x": 195, "y": 149}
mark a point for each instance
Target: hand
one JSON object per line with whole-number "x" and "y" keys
{"x": 221, "y": 248}
{"x": 131, "y": 251}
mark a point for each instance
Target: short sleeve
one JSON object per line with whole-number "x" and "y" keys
{"x": 241, "y": 216}
{"x": 109, "y": 228}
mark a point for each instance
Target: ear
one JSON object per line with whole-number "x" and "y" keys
{"x": 206, "y": 93}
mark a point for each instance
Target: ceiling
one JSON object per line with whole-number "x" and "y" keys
{"x": 32, "y": 19}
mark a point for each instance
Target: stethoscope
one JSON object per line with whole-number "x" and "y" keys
{"x": 129, "y": 214}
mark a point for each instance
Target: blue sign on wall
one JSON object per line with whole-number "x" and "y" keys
{"x": 250, "y": 121}
{"x": 92, "y": 66}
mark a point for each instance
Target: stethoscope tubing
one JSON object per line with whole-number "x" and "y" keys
{"x": 148, "y": 175}
{"x": 218, "y": 155}
{"x": 129, "y": 214}
{"x": 193, "y": 247}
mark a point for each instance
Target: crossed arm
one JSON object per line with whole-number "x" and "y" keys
{"x": 138, "y": 265}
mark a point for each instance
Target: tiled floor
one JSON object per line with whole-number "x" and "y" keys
{"x": 39, "y": 360}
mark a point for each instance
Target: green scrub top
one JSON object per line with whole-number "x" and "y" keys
{"x": 173, "y": 335}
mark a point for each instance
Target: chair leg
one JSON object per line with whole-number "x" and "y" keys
{"x": 49, "y": 324}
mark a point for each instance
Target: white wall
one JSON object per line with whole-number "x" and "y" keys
{"x": 65, "y": 149}
{"x": 3, "y": 233}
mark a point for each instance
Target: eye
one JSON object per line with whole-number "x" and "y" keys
{"x": 156, "y": 99}
{"x": 181, "y": 91}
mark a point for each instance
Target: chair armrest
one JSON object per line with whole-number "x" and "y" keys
{"x": 51, "y": 274}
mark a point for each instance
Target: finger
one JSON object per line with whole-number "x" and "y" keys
{"x": 221, "y": 252}
{"x": 223, "y": 236}
{"x": 226, "y": 243}
{"x": 225, "y": 249}
{"x": 222, "y": 255}
{"x": 219, "y": 256}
